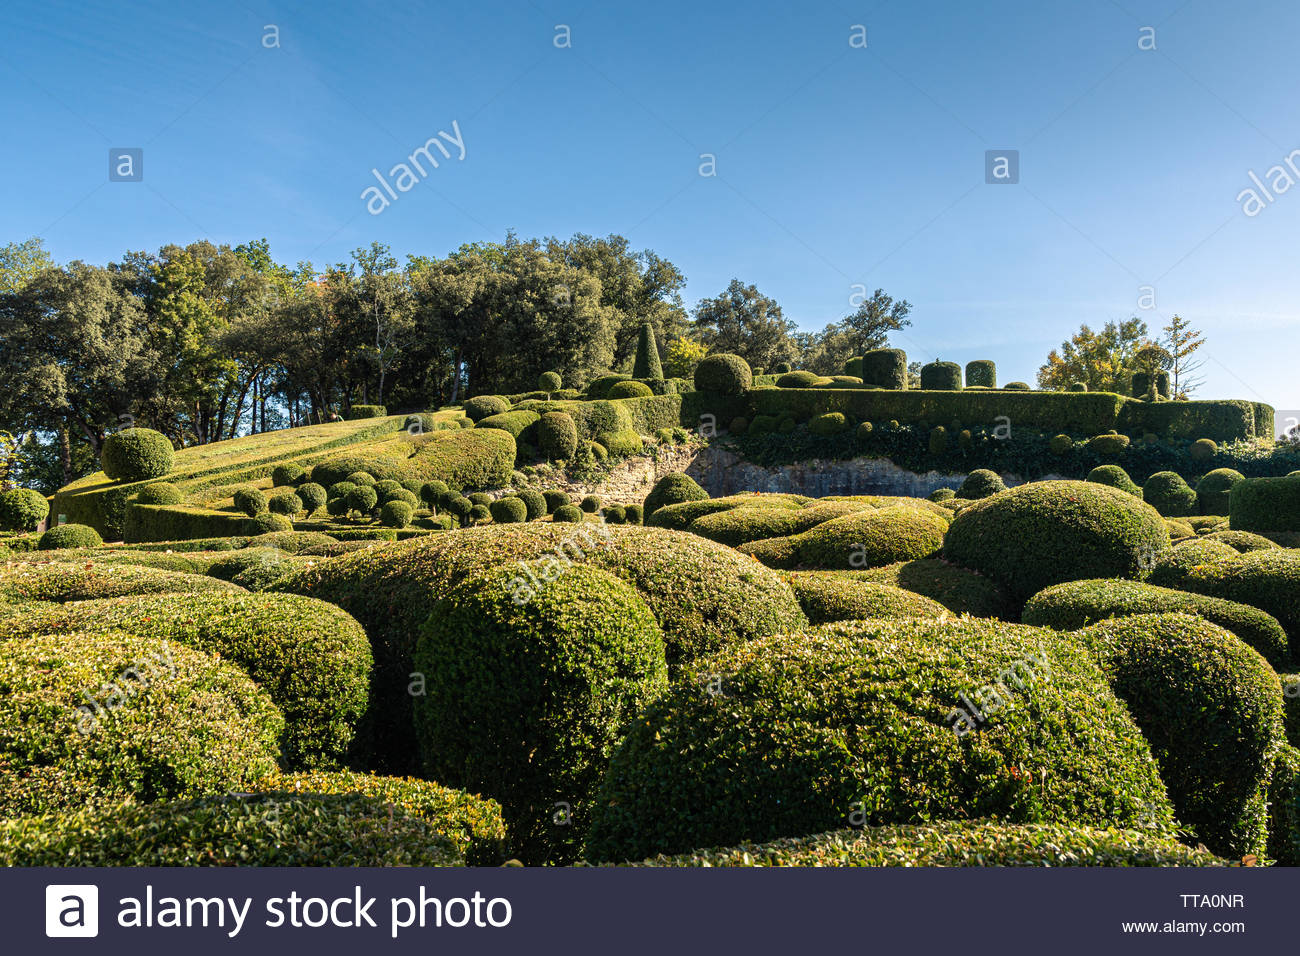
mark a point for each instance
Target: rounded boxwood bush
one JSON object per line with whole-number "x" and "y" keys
{"x": 336, "y": 507}
{"x": 885, "y": 368}
{"x": 590, "y": 504}
{"x": 311, "y": 658}
{"x": 508, "y": 511}
{"x": 159, "y": 493}
{"x": 484, "y": 406}
{"x": 1211, "y": 709}
{"x": 959, "y": 590}
{"x": 460, "y": 508}
{"x": 828, "y": 424}
{"x": 534, "y": 504}
{"x": 741, "y": 525}
{"x": 1109, "y": 445}
{"x": 479, "y": 514}
{"x": 525, "y": 701}
{"x": 387, "y": 487}
{"x": 567, "y": 513}
{"x": 557, "y": 436}
{"x": 549, "y": 382}
{"x": 480, "y": 498}
{"x": 1172, "y": 566}
{"x": 289, "y": 474}
{"x": 595, "y": 449}
{"x": 1203, "y": 449}
{"x": 294, "y": 542}
{"x": 23, "y": 509}
{"x": 1265, "y": 504}
{"x": 941, "y": 494}
{"x": 1169, "y": 494}
{"x": 312, "y": 496}
{"x": 1243, "y": 541}
{"x": 614, "y": 514}
{"x": 673, "y": 489}
{"x": 1213, "y": 489}
{"x": 1036, "y": 535}
{"x": 396, "y": 514}
{"x": 87, "y": 580}
{"x": 362, "y": 499}
{"x": 1076, "y": 604}
{"x": 69, "y": 536}
{"x": 1284, "y": 808}
{"x": 285, "y": 503}
{"x": 242, "y": 829}
{"x": 941, "y": 376}
{"x": 136, "y": 454}
{"x": 634, "y": 514}
{"x": 556, "y": 499}
{"x": 362, "y": 479}
{"x": 431, "y": 493}
{"x": 266, "y": 523}
{"x": 799, "y": 379}
{"x": 630, "y": 389}
{"x": 862, "y": 723}
{"x": 826, "y": 597}
{"x": 1017, "y": 387}
{"x": 981, "y": 483}
{"x": 340, "y": 489}
{"x": 250, "y": 501}
{"x": 89, "y": 716}
{"x": 872, "y": 538}
{"x": 1268, "y": 580}
{"x": 1115, "y": 477}
{"x": 982, "y": 372}
{"x": 724, "y": 373}
{"x": 1061, "y": 445}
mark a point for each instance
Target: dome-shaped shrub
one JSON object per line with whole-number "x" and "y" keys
{"x": 508, "y": 510}
{"x": 285, "y": 503}
{"x": 557, "y": 436}
{"x": 959, "y": 590}
{"x": 312, "y": 496}
{"x": 340, "y": 489}
{"x": 265, "y": 523}
{"x": 478, "y": 514}
{"x": 630, "y": 389}
{"x": 97, "y": 715}
{"x": 1210, "y": 707}
{"x": 484, "y": 406}
{"x": 1265, "y": 504}
{"x": 590, "y": 504}
{"x": 159, "y": 493}
{"x": 534, "y": 504}
{"x": 396, "y": 514}
{"x": 88, "y": 580}
{"x": 941, "y": 494}
{"x": 1169, "y": 494}
{"x": 595, "y": 450}
{"x": 1243, "y": 541}
{"x": 826, "y": 597}
{"x": 1115, "y": 477}
{"x": 362, "y": 479}
{"x": 1061, "y": 445}
{"x": 549, "y": 382}
{"x": 1109, "y": 445}
{"x": 23, "y": 509}
{"x": 1046, "y": 532}
{"x": 1077, "y": 387}
{"x": 1266, "y": 579}
{"x": 941, "y": 376}
{"x": 556, "y": 499}
{"x": 673, "y": 489}
{"x": 873, "y": 723}
{"x": 431, "y": 493}
{"x": 567, "y": 513}
{"x": 136, "y": 454}
{"x": 725, "y": 374}
{"x": 480, "y": 498}
{"x": 981, "y": 483}
{"x": 982, "y": 372}
{"x": 1213, "y": 489}
{"x": 525, "y": 700}
{"x": 634, "y": 514}
{"x": 938, "y": 440}
{"x": 1203, "y": 449}
{"x": 828, "y": 424}
{"x": 614, "y": 514}
{"x": 872, "y": 538}
{"x": 387, "y": 487}
{"x": 459, "y": 506}
{"x": 362, "y": 499}
{"x": 885, "y": 368}
{"x": 69, "y": 536}
{"x": 1172, "y": 566}
{"x": 799, "y": 379}
{"x": 250, "y": 501}
{"x": 1017, "y": 387}
{"x": 289, "y": 474}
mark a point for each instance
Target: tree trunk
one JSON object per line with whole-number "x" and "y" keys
{"x": 65, "y": 453}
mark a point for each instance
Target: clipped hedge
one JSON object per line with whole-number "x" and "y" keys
{"x": 1211, "y": 709}
{"x": 1284, "y": 808}
{"x": 826, "y": 597}
{"x": 872, "y": 538}
{"x": 522, "y": 425}
{"x": 884, "y": 368}
{"x": 525, "y": 700}
{"x": 982, "y": 373}
{"x": 859, "y": 724}
{"x": 959, "y": 590}
{"x": 1265, "y": 504}
{"x": 1076, "y": 604}
{"x": 1212, "y": 491}
{"x": 941, "y": 376}
{"x": 1047, "y": 532}
{"x": 137, "y": 454}
{"x": 358, "y": 412}
{"x": 62, "y": 582}
{"x": 1268, "y": 580}
{"x": 469, "y": 458}
{"x": 82, "y": 718}
{"x": 312, "y": 659}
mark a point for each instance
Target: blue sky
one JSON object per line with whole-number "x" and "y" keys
{"x": 836, "y": 165}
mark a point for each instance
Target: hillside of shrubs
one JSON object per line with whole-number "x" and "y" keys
{"x": 390, "y": 641}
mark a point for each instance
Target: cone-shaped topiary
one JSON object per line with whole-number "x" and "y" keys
{"x": 647, "y": 364}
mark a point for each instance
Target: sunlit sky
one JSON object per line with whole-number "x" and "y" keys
{"x": 838, "y": 165}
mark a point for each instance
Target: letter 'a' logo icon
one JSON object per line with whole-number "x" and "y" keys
{"x": 71, "y": 909}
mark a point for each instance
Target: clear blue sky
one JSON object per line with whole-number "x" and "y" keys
{"x": 835, "y": 165}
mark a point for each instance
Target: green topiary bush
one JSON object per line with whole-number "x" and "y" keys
{"x": 525, "y": 701}
{"x": 266, "y": 523}
{"x": 1171, "y": 567}
{"x": 483, "y": 406}
{"x": 534, "y": 504}
{"x": 1017, "y": 387}
{"x": 1169, "y": 494}
{"x": 646, "y": 364}
{"x": 866, "y": 723}
{"x": 396, "y": 514}
{"x": 941, "y": 376}
{"x": 620, "y": 444}
{"x": 358, "y": 412}
{"x": 362, "y": 499}
{"x": 555, "y": 499}
{"x": 294, "y": 542}
{"x": 981, "y": 483}
{"x": 1242, "y": 541}
{"x": 1266, "y": 579}
{"x": 630, "y": 389}
{"x": 1284, "y": 808}
{"x": 1077, "y": 387}
{"x": 826, "y": 597}
{"x": 1047, "y": 532}
{"x": 90, "y": 716}
{"x": 23, "y": 509}
{"x": 673, "y": 489}
{"x": 1213, "y": 489}
{"x": 614, "y": 514}
{"x": 312, "y": 496}
{"x": 590, "y": 504}
{"x": 799, "y": 379}
{"x": 1115, "y": 477}
{"x": 250, "y": 501}
{"x": 432, "y": 492}
{"x": 549, "y": 382}
{"x": 557, "y": 436}
{"x": 634, "y": 514}
{"x": 885, "y": 368}
{"x": 1061, "y": 445}
{"x": 1108, "y": 445}
{"x": 938, "y": 441}
{"x": 137, "y": 454}
{"x": 478, "y": 514}
{"x": 1203, "y": 449}
{"x": 362, "y": 479}
{"x": 508, "y": 511}
{"x": 567, "y": 513}
{"x": 285, "y": 503}
{"x": 983, "y": 373}
{"x": 959, "y": 590}
{"x": 159, "y": 493}
{"x": 871, "y": 538}
{"x": 1076, "y": 604}
{"x": 1265, "y": 504}
{"x": 69, "y": 536}
{"x": 289, "y": 474}
{"x": 1211, "y": 709}
{"x": 831, "y": 423}
{"x": 941, "y": 494}
{"x": 88, "y": 580}
{"x": 723, "y": 373}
